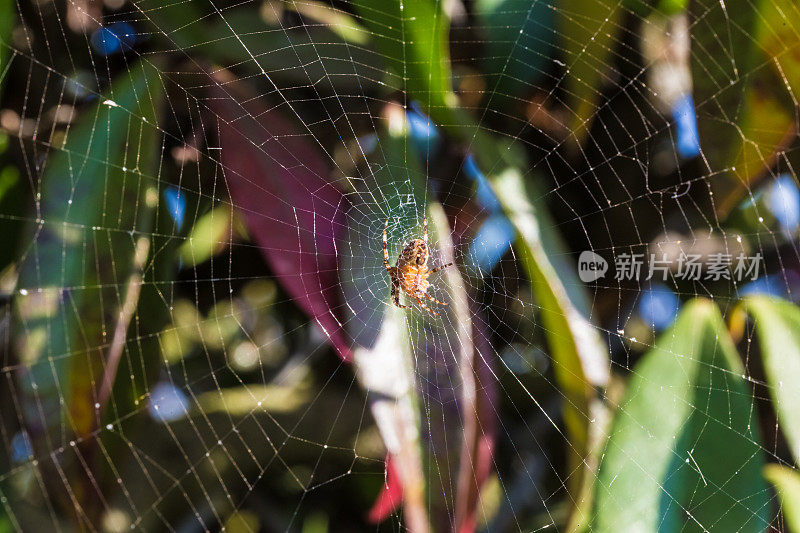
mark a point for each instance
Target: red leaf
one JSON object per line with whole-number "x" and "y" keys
{"x": 277, "y": 179}
{"x": 390, "y": 496}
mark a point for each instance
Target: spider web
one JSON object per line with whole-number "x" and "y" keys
{"x": 157, "y": 256}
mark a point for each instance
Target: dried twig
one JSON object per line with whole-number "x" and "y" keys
{"x": 132, "y": 290}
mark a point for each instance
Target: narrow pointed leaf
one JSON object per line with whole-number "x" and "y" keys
{"x": 580, "y": 361}
{"x": 413, "y": 37}
{"x": 787, "y": 484}
{"x": 278, "y": 181}
{"x": 778, "y": 332}
{"x": 684, "y": 451}
{"x": 318, "y": 55}
{"x": 589, "y": 30}
{"x": 97, "y": 193}
{"x": 8, "y": 17}
{"x": 750, "y": 67}
{"x": 386, "y": 371}
{"x": 337, "y": 20}
{"x": 390, "y": 497}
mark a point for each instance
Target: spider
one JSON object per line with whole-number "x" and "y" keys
{"x": 410, "y": 273}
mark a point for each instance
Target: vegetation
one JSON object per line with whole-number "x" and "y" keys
{"x": 196, "y": 326}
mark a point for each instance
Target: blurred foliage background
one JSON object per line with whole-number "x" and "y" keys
{"x": 195, "y": 322}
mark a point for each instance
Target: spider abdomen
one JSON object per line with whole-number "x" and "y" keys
{"x": 413, "y": 279}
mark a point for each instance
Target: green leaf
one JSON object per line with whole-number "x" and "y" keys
{"x": 765, "y": 125}
{"x": 684, "y": 453}
{"x": 671, "y": 7}
{"x": 589, "y": 30}
{"x": 721, "y": 38}
{"x": 413, "y": 37}
{"x": 320, "y": 56}
{"x": 98, "y": 197}
{"x": 778, "y": 330}
{"x": 580, "y": 360}
{"x": 336, "y": 20}
{"x": 9, "y": 176}
{"x": 12, "y": 200}
{"x": 768, "y": 124}
{"x": 787, "y": 484}
{"x": 8, "y": 17}
{"x": 750, "y": 66}
{"x": 777, "y": 39}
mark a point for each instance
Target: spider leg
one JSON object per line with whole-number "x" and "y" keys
{"x": 425, "y": 224}
{"x": 396, "y": 302}
{"x": 429, "y": 297}
{"x": 385, "y": 250}
{"x": 395, "y": 293}
{"x": 425, "y": 307}
{"x": 437, "y": 269}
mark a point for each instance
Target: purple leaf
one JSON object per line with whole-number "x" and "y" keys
{"x": 277, "y": 179}
{"x": 477, "y": 384}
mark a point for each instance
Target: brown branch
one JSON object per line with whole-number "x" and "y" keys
{"x": 468, "y": 480}
{"x": 132, "y": 290}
